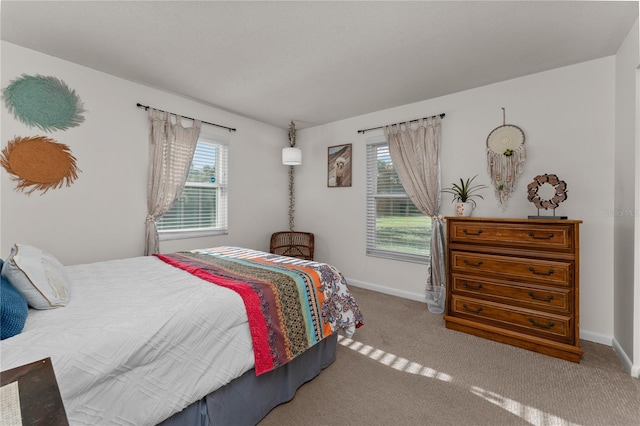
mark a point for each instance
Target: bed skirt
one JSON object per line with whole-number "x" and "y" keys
{"x": 249, "y": 398}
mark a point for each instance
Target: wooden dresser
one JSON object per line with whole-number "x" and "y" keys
{"x": 516, "y": 281}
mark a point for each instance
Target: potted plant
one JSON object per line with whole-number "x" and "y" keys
{"x": 463, "y": 195}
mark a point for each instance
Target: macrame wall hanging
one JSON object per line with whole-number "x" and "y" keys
{"x": 506, "y": 154}
{"x": 39, "y": 163}
{"x": 44, "y": 102}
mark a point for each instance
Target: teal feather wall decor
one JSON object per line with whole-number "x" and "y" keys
{"x": 43, "y": 101}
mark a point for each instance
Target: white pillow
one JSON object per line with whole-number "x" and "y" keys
{"x": 38, "y": 276}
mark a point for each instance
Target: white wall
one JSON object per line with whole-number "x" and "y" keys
{"x": 101, "y": 216}
{"x": 567, "y": 115}
{"x": 626, "y": 188}
{"x": 635, "y": 363}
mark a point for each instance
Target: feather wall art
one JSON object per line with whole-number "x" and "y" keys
{"x": 39, "y": 163}
{"x": 44, "y": 102}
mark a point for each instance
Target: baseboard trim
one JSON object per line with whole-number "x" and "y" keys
{"x": 595, "y": 337}
{"x": 386, "y": 290}
{"x": 634, "y": 370}
{"x": 584, "y": 334}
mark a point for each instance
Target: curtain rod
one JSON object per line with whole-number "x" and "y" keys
{"x": 382, "y": 127}
{"x": 139, "y": 105}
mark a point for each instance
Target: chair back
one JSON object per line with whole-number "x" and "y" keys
{"x": 293, "y": 244}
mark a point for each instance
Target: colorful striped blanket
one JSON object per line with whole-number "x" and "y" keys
{"x": 291, "y": 303}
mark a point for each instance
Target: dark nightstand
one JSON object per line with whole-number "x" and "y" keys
{"x": 40, "y": 401}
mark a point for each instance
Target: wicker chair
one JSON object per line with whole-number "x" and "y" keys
{"x": 293, "y": 244}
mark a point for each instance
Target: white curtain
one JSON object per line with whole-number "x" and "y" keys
{"x": 171, "y": 148}
{"x": 416, "y": 156}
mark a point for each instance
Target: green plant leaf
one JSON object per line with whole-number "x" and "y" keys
{"x": 465, "y": 191}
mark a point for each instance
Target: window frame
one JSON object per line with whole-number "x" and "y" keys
{"x": 222, "y": 205}
{"x": 371, "y": 214}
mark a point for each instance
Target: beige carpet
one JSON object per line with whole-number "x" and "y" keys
{"x": 403, "y": 367}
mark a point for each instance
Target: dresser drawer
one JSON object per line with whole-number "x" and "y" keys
{"x": 553, "y": 299}
{"x": 521, "y": 235}
{"x": 512, "y": 268}
{"x": 546, "y": 325}
{"x": 516, "y": 281}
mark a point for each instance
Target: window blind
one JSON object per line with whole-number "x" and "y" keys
{"x": 202, "y": 206}
{"x": 396, "y": 229}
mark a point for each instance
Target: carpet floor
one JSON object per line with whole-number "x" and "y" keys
{"x": 403, "y": 367}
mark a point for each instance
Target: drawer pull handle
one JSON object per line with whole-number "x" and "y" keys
{"x": 466, "y": 262}
{"x": 537, "y": 324}
{"x": 533, "y": 270}
{"x": 472, "y": 287}
{"x": 475, "y": 311}
{"x": 472, "y": 233}
{"x": 542, "y": 299}
{"x": 547, "y": 237}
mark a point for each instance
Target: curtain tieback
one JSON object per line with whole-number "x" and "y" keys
{"x": 151, "y": 218}
{"x": 437, "y": 217}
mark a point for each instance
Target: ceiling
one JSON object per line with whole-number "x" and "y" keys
{"x": 316, "y": 62}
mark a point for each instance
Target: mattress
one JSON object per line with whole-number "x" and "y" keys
{"x": 139, "y": 341}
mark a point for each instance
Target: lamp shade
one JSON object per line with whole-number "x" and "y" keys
{"x": 291, "y": 156}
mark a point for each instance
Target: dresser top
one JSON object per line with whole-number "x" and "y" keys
{"x": 512, "y": 220}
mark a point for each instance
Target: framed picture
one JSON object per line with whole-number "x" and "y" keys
{"x": 339, "y": 166}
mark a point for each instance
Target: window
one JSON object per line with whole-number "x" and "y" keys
{"x": 201, "y": 210}
{"x": 396, "y": 229}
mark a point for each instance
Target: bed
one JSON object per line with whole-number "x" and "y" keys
{"x": 150, "y": 340}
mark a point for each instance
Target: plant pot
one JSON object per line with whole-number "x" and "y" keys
{"x": 435, "y": 299}
{"x": 464, "y": 209}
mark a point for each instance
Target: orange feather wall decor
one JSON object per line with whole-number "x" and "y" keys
{"x": 39, "y": 163}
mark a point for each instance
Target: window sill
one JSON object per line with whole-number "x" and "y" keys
{"x": 183, "y": 235}
{"x": 402, "y": 257}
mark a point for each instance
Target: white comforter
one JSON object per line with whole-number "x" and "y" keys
{"x": 139, "y": 341}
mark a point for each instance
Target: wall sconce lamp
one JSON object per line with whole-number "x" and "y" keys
{"x": 291, "y": 156}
